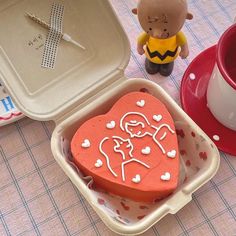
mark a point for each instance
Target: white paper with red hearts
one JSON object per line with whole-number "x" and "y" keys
{"x": 194, "y": 151}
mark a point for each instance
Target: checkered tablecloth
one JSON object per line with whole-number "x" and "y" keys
{"x": 37, "y": 198}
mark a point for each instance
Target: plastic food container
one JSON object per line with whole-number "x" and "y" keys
{"x": 86, "y": 83}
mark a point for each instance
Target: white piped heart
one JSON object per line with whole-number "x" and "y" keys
{"x": 146, "y": 150}
{"x": 98, "y": 163}
{"x": 166, "y": 176}
{"x": 137, "y": 179}
{"x": 86, "y": 143}
{"x": 171, "y": 154}
{"x": 111, "y": 125}
{"x": 157, "y": 118}
{"x": 141, "y": 103}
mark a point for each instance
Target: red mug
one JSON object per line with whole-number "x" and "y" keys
{"x": 221, "y": 92}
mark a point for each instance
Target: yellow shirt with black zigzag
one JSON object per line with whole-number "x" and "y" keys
{"x": 162, "y": 51}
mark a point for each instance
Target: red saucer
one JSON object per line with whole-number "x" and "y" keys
{"x": 193, "y": 100}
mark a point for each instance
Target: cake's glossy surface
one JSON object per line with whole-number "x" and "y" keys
{"x": 131, "y": 151}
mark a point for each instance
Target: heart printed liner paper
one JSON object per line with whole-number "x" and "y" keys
{"x": 193, "y": 151}
{"x": 132, "y": 150}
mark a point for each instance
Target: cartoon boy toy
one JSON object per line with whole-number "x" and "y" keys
{"x": 162, "y": 40}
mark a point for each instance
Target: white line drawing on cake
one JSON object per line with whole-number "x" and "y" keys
{"x": 124, "y": 157}
{"x": 127, "y": 127}
{"x": 107, "y": 157}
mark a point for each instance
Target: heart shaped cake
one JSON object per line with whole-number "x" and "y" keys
{"x": 131, "y": 151}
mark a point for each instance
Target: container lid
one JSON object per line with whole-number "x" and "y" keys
{"x": 45, "y": 94}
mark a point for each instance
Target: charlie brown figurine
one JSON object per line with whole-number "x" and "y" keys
{"x": 162, "y": 40}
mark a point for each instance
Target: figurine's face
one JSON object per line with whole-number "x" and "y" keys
{"x": 162, "y": 18}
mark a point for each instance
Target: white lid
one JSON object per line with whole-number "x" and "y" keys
{"x": 42, "y": 93}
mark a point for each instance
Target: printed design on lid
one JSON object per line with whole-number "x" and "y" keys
{"x": 54, "y": 36}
